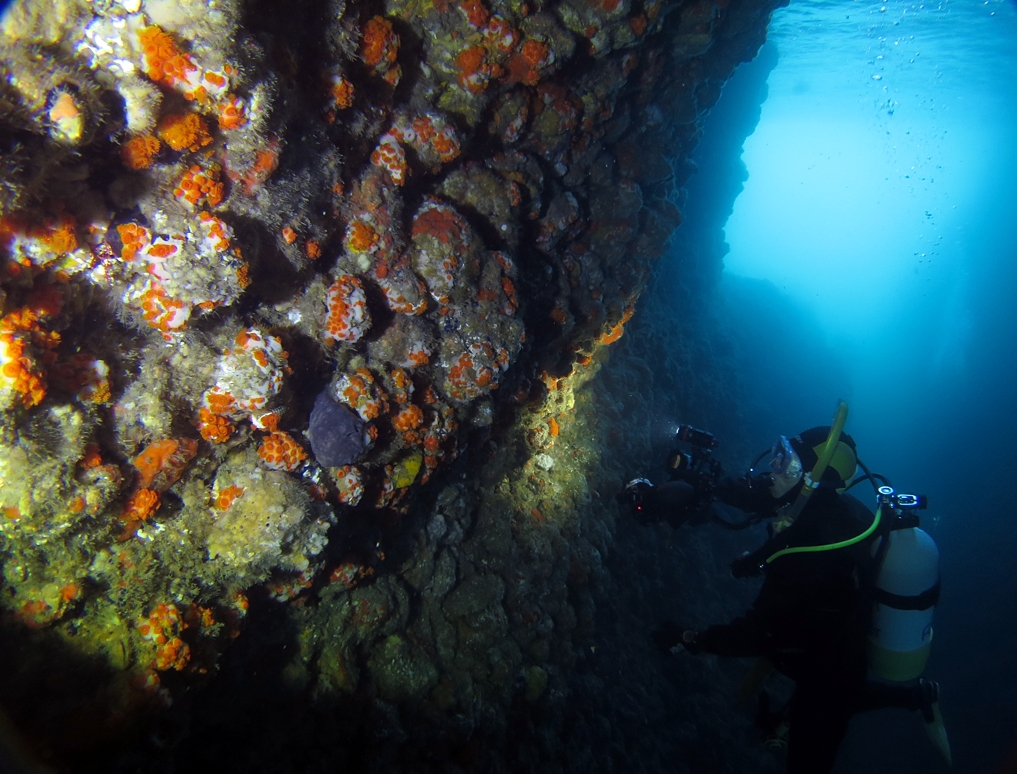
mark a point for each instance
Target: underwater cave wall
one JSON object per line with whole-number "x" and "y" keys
{"x": 269, "y": 272}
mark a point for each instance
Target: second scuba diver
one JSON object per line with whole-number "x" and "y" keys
{"x": 812, "y": 618}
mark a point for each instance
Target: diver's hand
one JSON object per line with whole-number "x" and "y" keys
{"x": 671, "y": 639}
{"x": 746, "y": 567}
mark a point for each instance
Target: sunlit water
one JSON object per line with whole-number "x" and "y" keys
{"x": 878, "y": 177}
{"x": 882, "y": 131}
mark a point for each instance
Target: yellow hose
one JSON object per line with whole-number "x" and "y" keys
{"x": 812, "y": 479}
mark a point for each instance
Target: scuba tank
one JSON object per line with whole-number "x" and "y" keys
{"x": 906, "y": 590}
{"x": 904, "y": 598}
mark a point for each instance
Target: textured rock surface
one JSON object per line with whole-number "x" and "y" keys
{"x": 440, "y": 213}
{"x": 336, "y": 433}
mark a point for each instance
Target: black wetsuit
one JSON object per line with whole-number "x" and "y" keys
{"x": 811, "y": 620}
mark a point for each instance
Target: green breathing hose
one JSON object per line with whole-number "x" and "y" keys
{"x": 831, "y": 546}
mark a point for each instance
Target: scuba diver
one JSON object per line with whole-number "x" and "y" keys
{"x": 845, "y": 591}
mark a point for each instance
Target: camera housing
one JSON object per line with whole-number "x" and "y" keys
{"x": 696, "y": 437}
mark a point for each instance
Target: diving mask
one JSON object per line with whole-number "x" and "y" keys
{"x": 786, "y": 467}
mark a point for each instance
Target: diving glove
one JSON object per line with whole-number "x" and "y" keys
{"x": 671, "y": 639}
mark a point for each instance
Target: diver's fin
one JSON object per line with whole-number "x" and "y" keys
{"x": 937, "y": 734}
{"x": 934, "y": 726}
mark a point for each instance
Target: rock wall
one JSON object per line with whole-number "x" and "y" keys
{"x": 300, "y": 312}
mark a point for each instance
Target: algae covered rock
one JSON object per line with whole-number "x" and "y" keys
{"x": 268, "y": 521}
{"x": 401, "y": 672}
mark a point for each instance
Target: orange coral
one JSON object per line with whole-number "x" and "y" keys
{"x": 280, "y": 451}
{"x": 423, "y": 128}
{"x": 500, "y": 36}
{"x": 25, "y": 347}
{"x": 162, "y": 312}
{"x": 265, "y": 162}
{"x": 510, "y": 293}
{"x": 70, "y": 592}
{"x": 138, "y": 152}
{"x": 92, "y": 457}
{"x": 214, "y": 428}
{"x": 217, "y": 233}
{"x": 163, "y": 62}
{"x": 161, "y": 463}
{"x": 552, "y": 426}
{"x": 408, "y": 419}
{"x": 380, "y": 44}
{"x": 440, "y": 222}
{"x": 535, "y": 52}
{"x": 199, "y": 186}
{"x": 231, "y": 112}
{"x": 418, "y": 356}
{"x": 184, "y": 131}
{"x": 362, "y": 393}
{"x": 342, "y": 91}
{"x": 289, "y": 235}
{"x": 142, "y": 504}
{"x": 525, "y": 66}
{"x": 390, "y": 155}
{"x": 446, "y": 145}
{"x": 227, "y": 496}
{"x": 474, "y": 73}
{"x": 403, "y": 385}
{"x": 20, "y": 371}
{"x": 133, "y": 238}
{"x": 59, "y": 236}
{"x": 348, "y": 317}
{"x": 475, "y": 12}
{"x": 163, "y": 627}
{"x": 175, "y": 654}
{"x": 360, "y": 237}
{"x": 221, "y": 402}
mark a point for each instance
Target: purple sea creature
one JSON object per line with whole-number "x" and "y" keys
{"x": 336, "y": 433}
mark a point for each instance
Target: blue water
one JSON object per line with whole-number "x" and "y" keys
{"x": 880, "y": 203}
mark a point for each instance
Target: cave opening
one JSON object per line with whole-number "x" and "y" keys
{"x": 874, "y": 214}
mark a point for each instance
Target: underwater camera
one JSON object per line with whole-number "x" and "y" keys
{"x": 698, "y": 468}
{"x": 698, "y": 438}
{"x": 693, "y": 477}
